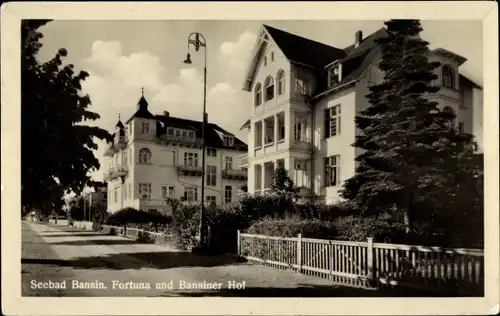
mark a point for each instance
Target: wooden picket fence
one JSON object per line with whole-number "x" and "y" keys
{"x": 369, "y": 264}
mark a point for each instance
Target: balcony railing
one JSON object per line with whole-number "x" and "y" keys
{"x": 234, "y": 174}
{"x": 179, "y": 140}
{"x": 194, "y": 171}
{"x": 243, "y": 159}
{"x": 301, "y": 145}
{"x": 110, "y": 151}
{"x": 115, "y": 172}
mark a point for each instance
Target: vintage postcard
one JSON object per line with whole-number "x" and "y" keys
{"x": 274, "y": 158}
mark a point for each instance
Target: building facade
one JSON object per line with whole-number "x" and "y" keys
{"x": 156, "y": 157}
{"x": 305, "y": 98}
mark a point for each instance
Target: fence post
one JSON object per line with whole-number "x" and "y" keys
{"x": 238, "y": 244}
{"x": 370, "y": 259}
{"x": 299, "y": 253}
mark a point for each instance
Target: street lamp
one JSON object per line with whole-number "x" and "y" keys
{"x": 198, "y": 40}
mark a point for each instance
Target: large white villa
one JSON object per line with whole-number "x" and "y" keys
{"x": 155, "y": 157}
{"x": 306, "y": 96}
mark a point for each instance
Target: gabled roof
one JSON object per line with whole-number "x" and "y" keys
{"x": 247, "y": 124}
{"x": 466, "y": 81}
{"x": 212, "y": 137}
{"x": 303, "y": 50}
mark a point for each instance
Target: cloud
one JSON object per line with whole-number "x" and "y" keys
{"x": 236, "y": 54}
{"x": 115, "y": 82}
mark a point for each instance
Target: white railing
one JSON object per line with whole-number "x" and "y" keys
{"x": 180, "y": 139}
{"x": 367, "y": 263}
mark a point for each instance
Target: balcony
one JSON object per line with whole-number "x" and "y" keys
{"x": 243, "y": 159}
{"x": 234, "y": 174}
{"x": 180, "y": 141}
{"x": 121, "y": 142}
{"x": 193, "y": 171}
{"x": 300, "y": 145}
{"x": 110, "y": 151}
{"x": 113, "y": 173}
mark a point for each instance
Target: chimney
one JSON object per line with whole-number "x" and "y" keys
{"x": 358, "y": 38}
{"x": 166, "y": 113}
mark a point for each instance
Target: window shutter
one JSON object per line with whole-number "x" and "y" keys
{"x": 327, "y": 123}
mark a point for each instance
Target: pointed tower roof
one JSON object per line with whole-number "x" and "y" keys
{"x": 142, "y": 109}
{"x": 119, "y": 124}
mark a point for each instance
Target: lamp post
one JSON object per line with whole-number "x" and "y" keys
{"x": 198, "y": 40}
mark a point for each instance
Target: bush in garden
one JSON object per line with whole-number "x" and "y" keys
{"x": 357, "y": 228}
{"x": 292, "y": 226}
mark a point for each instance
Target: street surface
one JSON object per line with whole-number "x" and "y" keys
{"x": 93, "y": 264}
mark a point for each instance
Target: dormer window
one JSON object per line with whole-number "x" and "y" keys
{"x": 334, "y": 74}
{"x": 228, "y": 141}
{"x": 191, "y": 134}
{"x": 177, "y": 133}
{"x": 170, "y": 131}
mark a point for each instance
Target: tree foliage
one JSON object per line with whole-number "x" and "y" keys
{"x": 282, "y": 183}
{"x": 410, "y": 147}
{"x": 56, "y": 144}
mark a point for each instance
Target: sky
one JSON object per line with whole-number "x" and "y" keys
{"x": 123, "y": 56}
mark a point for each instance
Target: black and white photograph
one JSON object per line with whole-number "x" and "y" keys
{"x": 249, "y": 158}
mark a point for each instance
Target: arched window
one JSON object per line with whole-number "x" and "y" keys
{"x": 281, "y": 81}
{"x": 448, "y": 109}
{"x": 258, "y": 94}
{"x": 448, "y": 77}
{"x": 269, "y": 86}
{"x": 145, "y": 156}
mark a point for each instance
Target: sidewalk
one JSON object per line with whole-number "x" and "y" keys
{"x": 88, "y": 256}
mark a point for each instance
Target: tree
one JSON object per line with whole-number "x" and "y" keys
{"x": 409, "y": 146}
{"x": 282, "y": 183}
{"x": 56, "y": 145}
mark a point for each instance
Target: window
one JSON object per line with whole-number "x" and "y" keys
{"x": 332, "y": 121}
{"x": 184, "y": 133}
{"x": 299, "y": 129}
{"x": 125, "y": 158}
{"x": 191, "y": 159}
{"x": 228, "y": 141}
{"x": 211, "y": 199}
{"x": 272, "y": 56}
{"x": 334, "y": 75}
{"x": 170, "y": 131}
{"x": 211, "y": 152}
{"x": 167, "y": 192}
{"x": 191, "y": 134}
{"x": 301, "y": 86}
{"x": 448, "y": 77}
{"x": 258, "y": 134}
{"x": 281, "y": 82}
{"x": 211, "y": 175}
{"x": 144, "y": 127}
{"x": 145, "y": 190}
{"x": 332, "y": 171}
{"x": 460, "y": 127}
{"x": 265, "y": 60}
{"x": 258, "y": 94}
{"x": 269, "y": 84}
{"x": 229, "y": 163}
{"x": 228, "y": 194}
{"x": 451, "y": 122}
{"x": 191, "y": 194}
{"x": 145, "y": 156}
{"x": 177, "y": 133}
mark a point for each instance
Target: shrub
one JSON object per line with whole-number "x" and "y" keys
{"x": 292, "y": 226}
{"x": 144, "y": 236}
{"x": 358, "y": 228}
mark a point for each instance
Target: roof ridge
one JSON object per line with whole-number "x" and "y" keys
{"x": 300, "y": 36}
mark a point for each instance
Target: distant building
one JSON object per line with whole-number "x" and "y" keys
{"x": 305, "y": 98}
{"x": 156, "y": 157}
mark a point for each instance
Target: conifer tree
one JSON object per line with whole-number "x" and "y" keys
{"x": 409, "y": 146}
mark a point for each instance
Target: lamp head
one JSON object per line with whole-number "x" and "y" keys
{"x": 188, "y": 59}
